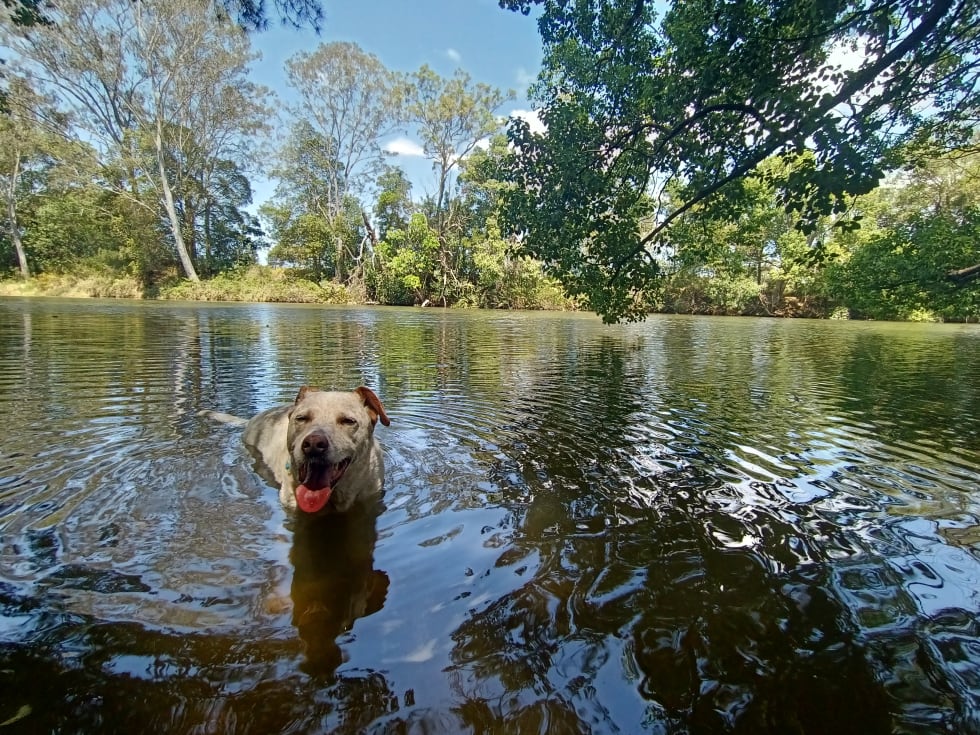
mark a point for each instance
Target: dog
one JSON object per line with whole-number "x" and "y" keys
{"x": 320, "y": 451}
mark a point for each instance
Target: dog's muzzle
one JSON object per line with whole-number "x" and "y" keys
{"x": 317, "y": 476}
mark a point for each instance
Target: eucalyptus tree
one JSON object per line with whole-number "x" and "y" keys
{"x": 349, "y": 101}
{"x": 23, "y": 143}
{"x": 147, "y": 81}
{"x": 698, "y": 96}
{"x": 229, "y": 234}
{"x": 303, "y": 214}
{"x": 393, "y": 207}
{"x": 249, "y": 14}
{"x": 452, "y": 117}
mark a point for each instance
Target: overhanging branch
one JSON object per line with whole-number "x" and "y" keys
{"x": 963, "y": 276}
{"x": 859, "y": 81}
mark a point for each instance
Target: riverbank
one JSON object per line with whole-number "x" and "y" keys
{"x": 73, "y": 286}
{"x": 267, "y": 284}
{"x": 258, "y": 284}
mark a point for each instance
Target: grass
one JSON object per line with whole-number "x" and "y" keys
{"x": 73, "y": 285}
{"x": 254, "y": 284}
{"x": 257, "y": 283}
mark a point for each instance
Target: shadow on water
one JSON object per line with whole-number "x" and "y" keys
{"x": 689, "y": 526}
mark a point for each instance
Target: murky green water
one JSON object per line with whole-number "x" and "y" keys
{"x": 689, "y": 525}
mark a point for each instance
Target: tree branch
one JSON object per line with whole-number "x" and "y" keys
{"x": 859, "y": 81}
{"x": 964, "y": 276}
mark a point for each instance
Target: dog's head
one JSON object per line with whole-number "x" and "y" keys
{"x": 329, "y": 431}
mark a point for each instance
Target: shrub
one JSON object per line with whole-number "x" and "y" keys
{"x": 258, "y": 283}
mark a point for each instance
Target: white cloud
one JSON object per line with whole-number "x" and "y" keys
{"x": 532, "y": 119}
{"x": 524, "y": 77}
{"x": 454, "y": 55}
{"x": 404, "y": 147}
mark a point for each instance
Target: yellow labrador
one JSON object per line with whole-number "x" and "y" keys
{"x": 320, "y": 450}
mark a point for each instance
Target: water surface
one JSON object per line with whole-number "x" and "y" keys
{"x": 689, "y": 525}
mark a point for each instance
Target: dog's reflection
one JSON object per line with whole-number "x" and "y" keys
{"x": 334, "y": 581}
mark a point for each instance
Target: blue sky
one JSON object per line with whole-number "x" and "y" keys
{"x": 494, "y": 46}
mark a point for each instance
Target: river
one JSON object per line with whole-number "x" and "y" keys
{"x": 689, "y": 525}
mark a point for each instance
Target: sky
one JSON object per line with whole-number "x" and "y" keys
{"x": 494, "y": 46}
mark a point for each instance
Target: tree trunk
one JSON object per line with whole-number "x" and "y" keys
{"x": 372, "y": 234}
{"x": 25, "y": 271}
{"x": 357, "y": 276}
{"x": 338, "y": 260}
{"x": 171, "y": 208}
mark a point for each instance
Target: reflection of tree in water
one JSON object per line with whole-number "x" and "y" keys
{"x": 77, "y": 674}
{"x": 714, "y": 639}
{"x": 673, "y": 585}
{"x": 334, "y": 581}
{"x": 894, "y": 381}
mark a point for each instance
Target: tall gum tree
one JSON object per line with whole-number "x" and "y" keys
{"x": 27, "y": 141}
{"x": 452, "y": 116}
{"x": 350, "y": 101}
{"x": 138, "y": 71}
{"x": 17, "y": 143}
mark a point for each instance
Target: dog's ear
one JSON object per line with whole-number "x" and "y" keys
{"x": 375, "y": 409}
{"x": 303, "y": 391}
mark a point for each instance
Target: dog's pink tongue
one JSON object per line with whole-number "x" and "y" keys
{"x": 312, "y": 501}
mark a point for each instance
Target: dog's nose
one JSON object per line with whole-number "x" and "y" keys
{"x": 316, "y": 443}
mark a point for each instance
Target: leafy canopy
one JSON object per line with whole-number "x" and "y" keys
{"x": 692, "y": 101}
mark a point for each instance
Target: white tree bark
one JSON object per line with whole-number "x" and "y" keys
{"x": 13, "y": 227}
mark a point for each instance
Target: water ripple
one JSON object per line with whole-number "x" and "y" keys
{"x": 686, "y": 525}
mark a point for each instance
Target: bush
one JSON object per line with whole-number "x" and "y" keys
{"x": 719, "y": 295}
{"x": 257, "y": 283}
{"x": 74, "y": 285}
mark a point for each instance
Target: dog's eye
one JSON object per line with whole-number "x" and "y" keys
{"x": 301, "y": 418}
{"x": 348, "y": 421}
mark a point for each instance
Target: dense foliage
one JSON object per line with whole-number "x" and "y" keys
{"x": 652, "y": 118}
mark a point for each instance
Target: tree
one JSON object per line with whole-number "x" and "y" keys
{"x": 348, "y": 101}
{"x": 453, "y": 116}
{"x": 303, "y": 240}
{"x": 394, "y": 205}
{"x": 22, "y": 144}
{"x": 311, "y": 230}
{"x": 741, "y": 262}
{"x": 699, "y": 97}
{"x": 407, "y": 263}
{"x": 918, "y": 257}
{"x": 250, "y": 14}
{"x": 230, "y": 235}
{"x": 25, "y": 13}
{"x": 151, "y": 85}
